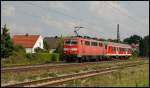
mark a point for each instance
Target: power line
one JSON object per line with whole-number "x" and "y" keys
{"x": 133, "y": 19}
{"x": 33, "y": 16}
{"x": 75, "y": 18}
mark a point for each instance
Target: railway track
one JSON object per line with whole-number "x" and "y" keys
{"x": 50, "y": 66}
{"x": 59, "y": 80}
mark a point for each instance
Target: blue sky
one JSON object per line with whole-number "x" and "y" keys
{"x": 100, "y": 18}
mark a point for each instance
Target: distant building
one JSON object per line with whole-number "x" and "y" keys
{"x": 29, "y": 42}
{"x": 52, "y": 42}
{"x": 135, "y": 46}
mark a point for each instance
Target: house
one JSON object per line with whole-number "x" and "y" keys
{"x": 52, "y": 42}
{"x": 29, "y": 42}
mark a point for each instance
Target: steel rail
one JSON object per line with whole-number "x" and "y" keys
{"x": 49, "y": 66}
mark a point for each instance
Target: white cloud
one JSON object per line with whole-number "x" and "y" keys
{"x": 8, "y": 11}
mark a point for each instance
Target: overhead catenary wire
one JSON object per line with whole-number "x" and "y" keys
{"x": 123, "y": 13}
{"x": 75, "y": 18}
{"x": 64, "y": 14}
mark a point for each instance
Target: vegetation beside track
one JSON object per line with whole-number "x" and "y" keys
{"x": 21, "y": 58}
{"x": 35, "y": 75}
{"x": 129, "y": 77}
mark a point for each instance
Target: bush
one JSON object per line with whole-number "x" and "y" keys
{"x": 39, "y": 50}
{"x": 18, "y": 48}
{"x": 18, "y": 58}
{"x": 21, "y": 58}
{"x": 134, "y": 54}
{"x": 43, "y": 57}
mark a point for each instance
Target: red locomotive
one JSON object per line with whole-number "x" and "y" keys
{"x": 85, "y": 49}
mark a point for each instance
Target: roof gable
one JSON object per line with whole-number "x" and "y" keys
{"x": 52, "y": 42}
{"x": 26, "y": 41}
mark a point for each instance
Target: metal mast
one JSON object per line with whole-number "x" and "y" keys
{"x": 118, "y": 36}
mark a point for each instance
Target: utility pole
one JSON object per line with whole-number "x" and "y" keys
{"x": 77, "y": 28}
{"x": 118, "y": 36}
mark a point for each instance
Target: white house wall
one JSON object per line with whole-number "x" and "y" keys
{"x": 39, "y": 43}
{"x": 28, "y": 50}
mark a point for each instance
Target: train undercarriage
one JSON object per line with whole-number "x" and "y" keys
{"x": 90, "y": 58}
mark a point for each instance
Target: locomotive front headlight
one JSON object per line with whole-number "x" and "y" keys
{"x": 74, "y": 49}
{"x": 65, "y": 49}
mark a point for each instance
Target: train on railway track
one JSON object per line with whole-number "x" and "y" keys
{"x": 81, "y": 49}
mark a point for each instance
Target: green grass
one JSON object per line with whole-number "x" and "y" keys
{"x": 129, "y": 77}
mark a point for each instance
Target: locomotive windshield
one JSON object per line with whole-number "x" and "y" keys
{"x": 71, "y": 42}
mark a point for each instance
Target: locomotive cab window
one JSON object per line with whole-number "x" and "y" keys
{"x": 67, "y": 41}
{"x": 71, "y": 42}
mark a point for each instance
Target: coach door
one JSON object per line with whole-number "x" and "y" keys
{"x": 83, "y": 48}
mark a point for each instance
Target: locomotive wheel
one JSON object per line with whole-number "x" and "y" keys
{"x": 79, "y": 60}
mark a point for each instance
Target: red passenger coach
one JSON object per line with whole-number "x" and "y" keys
{"x": 85, "y": 49}
{"x": 117, "y": 49}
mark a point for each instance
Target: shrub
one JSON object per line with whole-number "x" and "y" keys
{"x": 43, "y": 57}
{"x": 18, "y": 48}
{"x": 39, "y": 50}
{"x": 21, "y": 58}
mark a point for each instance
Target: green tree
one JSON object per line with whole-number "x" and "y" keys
{"x": 59, "y": 49}
{"x": 132, "y": 39}
{"x": 6, "y": 43}
{"x": 146, "y": 45}
{"x": 46, "y": 45}
{"x": 39, "y": 50}
{"x": 113, "y": 40}
{"x": 143, "y": 43}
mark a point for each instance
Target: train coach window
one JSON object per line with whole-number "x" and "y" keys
{"x": 87, "y": 43}
{"x": 74, "y": 42}
{"x": 94, "y": 43}
{"x": 100, "y": 44}
{"x": 105, "y": 46}
{"x": 114, "y": 49}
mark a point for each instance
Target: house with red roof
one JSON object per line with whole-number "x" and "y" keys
{"x": 29, "y": 42}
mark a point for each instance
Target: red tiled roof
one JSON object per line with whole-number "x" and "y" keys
{"x": 26, "y": 41}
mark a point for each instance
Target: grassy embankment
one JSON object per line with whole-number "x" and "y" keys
{"x": 26, "y": 76}
{"x": 129, "y": 77}
{"x": 21, "y": 58}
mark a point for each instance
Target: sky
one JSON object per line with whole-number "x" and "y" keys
{"x": 56, "y": 18}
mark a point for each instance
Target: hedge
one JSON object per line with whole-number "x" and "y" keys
{"x": 26, "y": 59}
